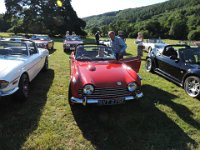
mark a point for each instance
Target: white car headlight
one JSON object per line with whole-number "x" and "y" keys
{"x": 132, "y": 86}
{"x": 88, "y": 89}
{"x": 3, "y": 84}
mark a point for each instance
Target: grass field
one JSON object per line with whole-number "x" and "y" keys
{"x": 166, "y": 117}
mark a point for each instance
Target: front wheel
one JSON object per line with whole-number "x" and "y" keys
{"x": 70, "y": 95}
{"x": 149, "y": 65}
{"x": 192, "y": 86}
{"x": 149, "y": 50}
{"x": 23, "y": 91}
{"x": 46, "y": 65}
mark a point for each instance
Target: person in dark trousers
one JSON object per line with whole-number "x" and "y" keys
{"x": 139, "y": 42}
{"x": 97, "y": 37}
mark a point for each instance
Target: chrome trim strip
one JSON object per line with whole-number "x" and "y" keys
{"x": 95, "y": 101}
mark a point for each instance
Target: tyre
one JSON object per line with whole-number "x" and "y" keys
{"x": 149, "y": 50}
{"x": 70, "y": 95}
{"x": 192, "y": 86}
{"x": 23, "y": 91}
{"x": 149, "y": 65}
{"x": 46, "y": 65}
{"x": 52, "y": 48}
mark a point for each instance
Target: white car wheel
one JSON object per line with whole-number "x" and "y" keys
{"x": 149, "y": 65}
{"x": 192, "y": 86}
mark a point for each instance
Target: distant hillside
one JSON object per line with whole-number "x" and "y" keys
{"x": 163, "y": 19}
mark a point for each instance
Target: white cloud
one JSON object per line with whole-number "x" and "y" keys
{"x": 2, "y": 7}
{"x": 86, "y": 8}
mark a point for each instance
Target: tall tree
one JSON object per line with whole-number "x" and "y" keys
{"x": 45, "y": 16}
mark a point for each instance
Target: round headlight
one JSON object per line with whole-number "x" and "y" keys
{"x": 132, "y": 86}
{"x": 3, "y": 84}
{"x": 88, "y": 89}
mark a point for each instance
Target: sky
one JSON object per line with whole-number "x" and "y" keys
{"x": 85, "y": 8}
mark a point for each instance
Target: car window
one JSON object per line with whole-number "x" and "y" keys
{"x": 40, "y": 37}
{"x": 13, "y": 48}
{"x": 32, "y": 48}
{"x": 72, "y": 38}
{"x": 191, "y": 55}
{"x": 170, "y": 51}
{"x": 94, "y": 53}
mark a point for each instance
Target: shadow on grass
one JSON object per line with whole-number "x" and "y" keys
{"x": 136, "y": 125}
{"x": 18, "y": 120}
{"x": 51, "y": 51}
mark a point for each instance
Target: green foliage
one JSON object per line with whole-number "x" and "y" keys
{"x": 194, "y": 35}
{"x": 44, "y": 16}
{"x": 171, "y": 19}
{"x": 4, "y": 26}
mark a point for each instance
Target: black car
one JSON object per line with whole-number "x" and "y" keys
{"x": 178, "y": 63}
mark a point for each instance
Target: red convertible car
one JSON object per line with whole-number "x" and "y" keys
{"x": 97, "y": 77}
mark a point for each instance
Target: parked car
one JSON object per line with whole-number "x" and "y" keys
{"x": 149, "y": 44}
{"x": 178, "y": 63}
{"x": 106, "y": 42}
{"x": 43, "y": 41}
{"x": 20, "y": 63}
{"x": 70, "y": 42}
{"x": 196, "y": 44}
{"x": 17, "y": 38}
{"x": 97, "y": 77}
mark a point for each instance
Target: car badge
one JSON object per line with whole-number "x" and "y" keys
{"x": 119, "y": 83}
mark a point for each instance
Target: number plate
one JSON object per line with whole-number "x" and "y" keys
{"x": 111, "y": 101}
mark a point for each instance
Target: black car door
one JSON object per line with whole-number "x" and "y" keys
{"x": 172, "y": 67}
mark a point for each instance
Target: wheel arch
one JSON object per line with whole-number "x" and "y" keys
{"x": 187, "y": 75}
{"x": 27, "y": 76}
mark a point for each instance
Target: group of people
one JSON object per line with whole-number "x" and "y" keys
{"x": 118, "y": 43}
{"x": 67, "y": 33}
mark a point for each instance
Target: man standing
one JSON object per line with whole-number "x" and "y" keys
{"x": 118, "y": 45}
{"x": 121, "y": 35}
{"x": 97, "y": 36}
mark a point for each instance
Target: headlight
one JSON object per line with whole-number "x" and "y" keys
{"x": 3, "y": 84}
{"x": 132, "y": 86}
{"x": 88, "y": 89}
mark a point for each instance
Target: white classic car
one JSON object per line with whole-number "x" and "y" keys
{"x": 150, "y": 44}
{"x": 106, "y": 42}
{"x": 20, "y": 62}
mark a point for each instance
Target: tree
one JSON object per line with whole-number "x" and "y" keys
{"x": 194, "y": 35}
{"x": 179, "y": 29}
{"x": 4, "y": 26}
{"x": 45, "y": 16}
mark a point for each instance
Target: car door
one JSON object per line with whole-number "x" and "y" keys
{"x": 35, "y": 61}
{"x": 133, "y": 62}
{"x": 170, "y": 66}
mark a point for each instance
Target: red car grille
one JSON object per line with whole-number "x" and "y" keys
{"x": 105, "y": 93}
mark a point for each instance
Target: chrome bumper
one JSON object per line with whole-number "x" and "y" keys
{"x": 95, "y": 101}
{"x": 10, "y": 92}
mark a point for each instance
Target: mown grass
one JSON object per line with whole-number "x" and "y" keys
{"x": 165, "y": 118}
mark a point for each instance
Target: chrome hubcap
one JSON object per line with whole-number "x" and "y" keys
{"x": 193, "y": 87}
